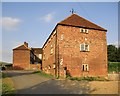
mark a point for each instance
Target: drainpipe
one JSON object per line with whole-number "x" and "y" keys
{"x": 57, "y": 57}
{"x": 56, "y": 54}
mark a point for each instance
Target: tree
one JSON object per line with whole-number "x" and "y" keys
{"x": 118, "y": 54}
{"x": 112, "y": 53}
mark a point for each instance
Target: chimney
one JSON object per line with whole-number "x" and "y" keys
{"x": 26, "y": 44}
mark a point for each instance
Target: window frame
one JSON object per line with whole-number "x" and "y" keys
{"x": 85, "y": 67}
{"x": 83, "y": 30}
{"x": 84, "y": 49}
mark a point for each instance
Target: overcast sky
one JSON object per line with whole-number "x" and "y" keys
{"x": 33, "y": 22}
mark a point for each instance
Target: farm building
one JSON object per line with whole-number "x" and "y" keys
{"x": 76, "y": 47}
{"x": 27, "y": 58}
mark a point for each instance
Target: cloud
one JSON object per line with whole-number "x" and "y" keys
{"x": 9, "y": 23}
{"x": 48, "y": 17}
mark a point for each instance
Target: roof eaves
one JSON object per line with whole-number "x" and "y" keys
{"x": 49, "y": 36}
{"x": 82, "y": 27}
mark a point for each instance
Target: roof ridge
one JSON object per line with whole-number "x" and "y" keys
{"x": 76, "y": 20}
{"x": 91, "y": 22}
{"x": 22, "y": 45}
{"x": 66, "y": 18}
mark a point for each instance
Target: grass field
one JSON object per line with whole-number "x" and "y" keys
{"x": 7, "y": 85}
{"x": 114, "y": 67}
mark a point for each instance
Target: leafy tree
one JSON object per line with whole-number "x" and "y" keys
{"x": 112, "y": 53}
{"x": 118, "y": 54}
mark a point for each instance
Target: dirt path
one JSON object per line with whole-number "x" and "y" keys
{"x": 28, "y": 83}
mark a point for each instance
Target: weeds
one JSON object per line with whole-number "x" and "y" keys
{"x": 88, "y": 78}
{"x": 44, "y": 74}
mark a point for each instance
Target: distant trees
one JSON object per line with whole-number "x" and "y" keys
{"x": 113, "y": 53}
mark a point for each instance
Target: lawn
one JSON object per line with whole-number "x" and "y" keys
{"x": 114, "y": 67}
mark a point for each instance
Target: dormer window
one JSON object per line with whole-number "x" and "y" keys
{"x": 82, "y": 30}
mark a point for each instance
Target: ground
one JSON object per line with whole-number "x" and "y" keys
{"x": 25, "y": 82}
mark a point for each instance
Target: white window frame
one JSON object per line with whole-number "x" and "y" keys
{"x": 85, "y": 67}
{"x": 84, "y": 49}
{"x": 82, "y": 30}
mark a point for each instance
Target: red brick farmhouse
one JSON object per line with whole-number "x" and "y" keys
{"x": 77, "y": 47}
{"x": 27, "y": 58}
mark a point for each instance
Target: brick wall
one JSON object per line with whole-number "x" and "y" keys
{"x": 48, "y": 59}
{"x": 69, "y": 51}
{"x": 35, "y": 67}
{"x": 21, "y": 59}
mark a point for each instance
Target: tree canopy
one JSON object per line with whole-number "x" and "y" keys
{"x": 113, "y": 53}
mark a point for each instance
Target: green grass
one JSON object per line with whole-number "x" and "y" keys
{"x": 44, "y": 74}
{"x": 88, "y": 78}
{"x": 113, "y": 67}
{"x": 7, "y": 86}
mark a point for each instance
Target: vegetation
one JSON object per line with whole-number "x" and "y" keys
{"x": 113, "y": 53}
{"x": 88, "y": 78}
{"x": 44, "y": 74}
{"x": 113, "y": 67}
{"x": 7, "y": 85}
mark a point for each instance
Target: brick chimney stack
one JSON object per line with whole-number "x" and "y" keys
{"x": 26, "y": 44}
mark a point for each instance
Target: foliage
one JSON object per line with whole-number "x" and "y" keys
{"x": 113, "y": 67}
{"x": 44, "y": 74}
{"x": 88, "y": 78}
{"x": 7, "y": 85}
{"x": 113, "y": 53}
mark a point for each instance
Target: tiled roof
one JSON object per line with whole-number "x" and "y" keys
{"x": 22, "y": 47}
{"x": 75, "y": 20}
{"x": 37, "y": 50}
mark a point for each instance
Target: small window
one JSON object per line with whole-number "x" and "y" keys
{"x": 85, "y": 67}
{"x": 51, "y": 49}
{"x": 84, "y": 47}
{"x": 53, "y": 66}
{"x": 61, "y": 61}
{"x": 62, "y": 37}
{"x": 49, "y": 67}
{"x": 83, "y": 30}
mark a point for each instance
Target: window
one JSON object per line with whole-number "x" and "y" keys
{"x": 49, "y": 67}
{"x": 61, "y": 61}
{"x": 53, "y": 66}
{"x": 51, "y": 50}
{"x": 40, "y": 56}
{"x": 83, "y": 30}
{"x": 62, "y": 37}
{"x": 84, "y": 47}
{"x": 85, "y": 67}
